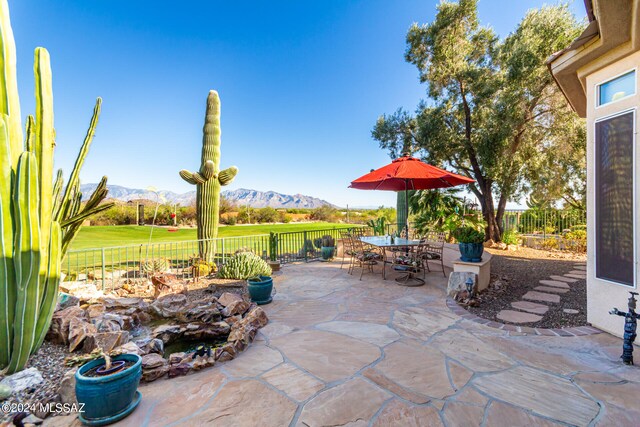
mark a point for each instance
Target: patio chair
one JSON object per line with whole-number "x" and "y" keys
{"x": 434, "y": 249}
{"x": 411, "y": 262}
{"x": 347, "y": 248}
{"x": 363, "y": 257}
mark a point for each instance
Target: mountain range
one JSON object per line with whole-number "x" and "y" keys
{"x": 240, "y": 197}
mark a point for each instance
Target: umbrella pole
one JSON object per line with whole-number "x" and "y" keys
{"x": 406, "y": 207}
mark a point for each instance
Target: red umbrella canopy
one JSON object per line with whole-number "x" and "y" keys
{"x": 408, "y": 173}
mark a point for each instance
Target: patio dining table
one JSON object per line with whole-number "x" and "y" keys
{"x": 384, "y": 243}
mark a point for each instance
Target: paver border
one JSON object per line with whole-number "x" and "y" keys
{"x": 575, "y": 331}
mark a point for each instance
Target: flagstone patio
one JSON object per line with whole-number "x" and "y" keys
{"x": 339, "y": 351}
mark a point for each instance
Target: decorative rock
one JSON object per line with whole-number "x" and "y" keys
{"x": 125, "y": 304}
{"x": 24, "y": 379}
{"x": 166, "y": 284}
{"x": 168, "y": 333}
{"x": 501, "y": 245}
{"x": 457, "y": 282}
{"x": 169, "y": 305}
{"x": 67, "y": 388}
{"x": 66, "y": 301}
{"x": 107, "y": 341}
{"x": 227, "y": 298}
{"x": 78, "y": 331}
{"x": 571, "y": 311}
{"x": 154, "y": 345}
{"x": 152, "y": 360}
{"x": 153, "y": 374}
{"x": 95, "y": 311}
{"x": 109, "y": 322}
{"x": 130, "y": 348}
{"x": 225, "y": 353}
{"x": 236, "y": 307}
{"x": 489, "y": 243}
{"x": 531, "y": 307}
{"x": 176, "y": 358}
{"x": 541, "y": 296}
{"x": 518, "y": 316}
{"x": 551, "y": 289}
{"x": 5, "y": 392}
{"x": 205, "y": 312}
{"x": 201, "y": 362}
{"x": 555, "y": 284}
{"x": 59, "y": 330}
{"x": 179, "y": 369}
{"x": 200, "y": 332}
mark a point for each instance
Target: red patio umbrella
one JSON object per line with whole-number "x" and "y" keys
{"x": 408, "y": 173}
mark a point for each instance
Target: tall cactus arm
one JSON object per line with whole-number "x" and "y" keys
{"x": 9, "y": 100}
{"x": 86, "y": 213}
{"x": 26, "y": 261}
{"x": 30, "y": 141}
{"x": 44, "y": 144}
{"x": 208, "y": 169}
{"x": 187, "y": 176}
{"x": 57, "y": 188}
{"x": 7, "y": 288}
{"x": 74, "y": 178}
{"x": 50, "y": 295}
{"x": 226, "y": 176}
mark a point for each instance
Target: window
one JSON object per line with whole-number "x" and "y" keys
{"x": 614, "y": 233}
{"x": 618, "y": 88}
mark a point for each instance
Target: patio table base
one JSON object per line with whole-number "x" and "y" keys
{"x": 409, "y": 280}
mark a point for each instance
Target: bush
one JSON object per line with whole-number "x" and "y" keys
{"x": 328, "y": 241}
{"x": 244, "y": 265}
{"x": 511, "y": 237}
{"x": 549, "y": 244}
{"x": 324, "y": 213}
{"x": 267, "y": 214}
{"x": 575, "y": 241}
{"x": 468, "y": 235}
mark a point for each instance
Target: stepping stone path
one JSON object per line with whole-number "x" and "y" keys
{"x": 530, "y": 312}
{"x": 518, "y": 316}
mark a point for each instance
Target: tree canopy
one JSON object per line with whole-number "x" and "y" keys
{"x": 493, "y": 111}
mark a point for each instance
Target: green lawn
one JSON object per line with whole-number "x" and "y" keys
{"x": 121, "y": 235}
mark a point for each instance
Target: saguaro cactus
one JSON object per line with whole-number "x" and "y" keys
{"x": 209, "y": 179}
{"x": 34, "y": 220}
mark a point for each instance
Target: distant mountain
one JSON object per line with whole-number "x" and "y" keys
{"x": 241, "y": 197}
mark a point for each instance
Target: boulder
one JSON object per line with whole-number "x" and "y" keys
{"x": 235, "y": 307}
{"x": 153, "y": 345}
{"x": 179, "y": 370}
{"x": 203, "y": 331}
{"x": 59, "y": 329}
{"x": 176, "y": 358}
{"x": 168, "y": 333}
{"x": 125, "y": 304}
{"x": 201, "y": 362}
{"x": 169, "y": 306}
{"x": 256, "y": 317}
{"x": 225, "y": 353}
{"x": 5, "y": 392}
{"x": 24, "y": 379}
{"x": 227, "y": 298}
{"x": 108, "y": 322}
{"x": 501, "y": 245}
{"x": 153, "y": 374}
{"x": 107, "y": 341}
{"x": 489, "y": 243}
{"x": 153, "y": 360}
{"x": 95, "y": 310}
{"x": 167, "y": 284}
{"x": 66, "y": 301}
{"x": 458, "y": 280}
{"x": 205, "y": 312}
{"x": 67, "y": 388}
{"x": 129, "y": 348}
{"x": 79, "y": 330}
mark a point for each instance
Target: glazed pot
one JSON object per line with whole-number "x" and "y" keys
{"x": 327, "y": 252}
{"x": 260, "y": 291}
{"x": 471, "y": 252}
{"x": 108, "y": 398}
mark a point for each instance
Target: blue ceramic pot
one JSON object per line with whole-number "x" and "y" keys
{"x": 471, "y": 252}
{"x": 260, "y": 291}
{"x": 327, "y": 252}
{"x": 108, "y": 398}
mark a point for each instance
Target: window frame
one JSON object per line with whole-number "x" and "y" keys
{"x": 633, "y": 111}
{"x": 598, "y": 85}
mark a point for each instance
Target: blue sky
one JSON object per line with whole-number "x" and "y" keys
{"x": 301, "y": 85}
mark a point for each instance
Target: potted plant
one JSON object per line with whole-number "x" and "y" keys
{"x": 273, "y": 252}
{"x": 108, "y": 388}
{"x": 470, "y": 242}
{"x": 260, "y": 288}
{"x": 328, "y": 247}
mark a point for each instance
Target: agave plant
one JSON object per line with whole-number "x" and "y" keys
{"x": 38, "y": 220}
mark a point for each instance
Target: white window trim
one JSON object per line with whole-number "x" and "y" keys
{"x": 635, "y": 240}
{"x": 597, "y": 88}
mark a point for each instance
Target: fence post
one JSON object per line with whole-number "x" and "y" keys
{"x": 223, "y": 251}
{"x": 304, "y": 246}
{"x": 102, "y": 254}
{"x": 544, "y": 224}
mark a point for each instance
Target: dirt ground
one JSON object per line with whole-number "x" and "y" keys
{"x": 514, "y": 273}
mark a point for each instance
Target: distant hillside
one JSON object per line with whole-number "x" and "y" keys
{"x": 241, "y": 197}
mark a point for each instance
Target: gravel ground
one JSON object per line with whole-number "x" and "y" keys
{"x": 49, "y": 360}
{"x": 514, "y": 273}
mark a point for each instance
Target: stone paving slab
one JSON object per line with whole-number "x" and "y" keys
{"x": 541, "y": 296}
{"x": 513, "y": 316}
{"x": 576, "y": 276}
{"x": 551, "y": 289}
{"x": 563, "y": 279}
{"x": 531, "y": 307}
{"x": 555, "y": 284}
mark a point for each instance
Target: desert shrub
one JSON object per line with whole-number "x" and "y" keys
{"x": 229, "y": 220}
{"x": 549, "y": 244}
{"x": 324, "y": 213}
{"x": 328, "y": 241}
{"x": 244, "y": 265}
{"x": 468, "y": 235}
{"x": 511, "y": 237}
{"x": 267, "y": 214}
{"x": 575, "y": 241}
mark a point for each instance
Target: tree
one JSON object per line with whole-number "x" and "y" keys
{"x": 493, "y": 105}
